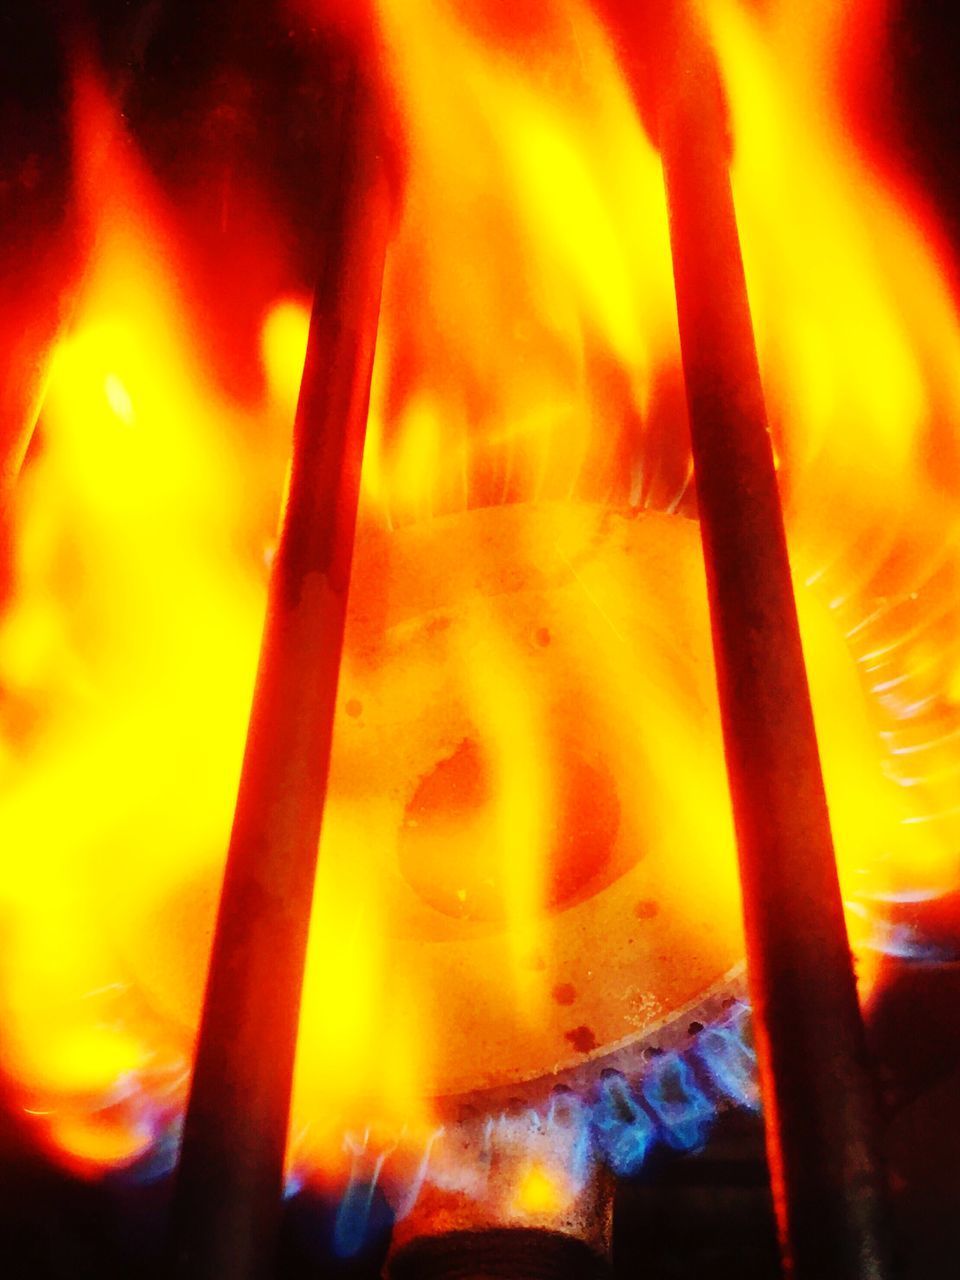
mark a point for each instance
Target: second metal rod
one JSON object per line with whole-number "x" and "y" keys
{"x": 230, "y": 1180}
{"x": 817, "y": 1092}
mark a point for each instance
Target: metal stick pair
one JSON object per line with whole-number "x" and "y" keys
{"x": 818, "y": 1096}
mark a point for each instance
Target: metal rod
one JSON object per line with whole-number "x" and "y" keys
{"x": 229, "y": 1185}
{"x": 821, "y": 1122}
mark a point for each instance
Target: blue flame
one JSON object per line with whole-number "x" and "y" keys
{"x": 678, "y": 1096}
{"x": 568, "y": 1114}
{"x": 352, "y": 1229}
{"x": 905, "y": 939}
{"x": 724, "y": 1052}
{"x": 674, "y": 1095}
{"x": 624, "y": 1131}
{"x": 671, "y": 1102}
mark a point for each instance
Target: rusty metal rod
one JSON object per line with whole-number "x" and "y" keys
{"x": 229, "y": 1185}
{"x": 821, "y": 1120}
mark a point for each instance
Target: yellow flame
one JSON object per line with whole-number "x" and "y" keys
{"x": 528, "y": 361}
{"x": 539, "y": 1195}
{"x": 284, "y": 348}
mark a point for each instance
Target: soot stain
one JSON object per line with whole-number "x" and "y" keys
{"x": 582, "y": 1039}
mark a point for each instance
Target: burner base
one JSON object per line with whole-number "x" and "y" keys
{"x": 511, "y": 1253}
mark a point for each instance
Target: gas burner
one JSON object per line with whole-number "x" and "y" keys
{"x": 542, "y": 700}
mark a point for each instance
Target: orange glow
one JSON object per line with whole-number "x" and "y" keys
{"x": 538, "y": 1195}
{"x": 98, "y": 1142}
{"x": 284, "y": 347}
{"x": 528, "y": 853}
{"x": 860, "y": 347}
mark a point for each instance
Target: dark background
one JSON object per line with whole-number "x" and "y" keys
{"x": 218, "y": 89}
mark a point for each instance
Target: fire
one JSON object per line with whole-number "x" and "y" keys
{"x": 127, "y": 651}
{"x": 284, "y": 348}
{"x": 860, "y": 345}
{"x": 538, "y": 1194}
{"x": 531, "y": 380}
{"x": 528, "y": 747}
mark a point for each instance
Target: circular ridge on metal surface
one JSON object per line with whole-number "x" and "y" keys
{"x": 511, "y": 1253}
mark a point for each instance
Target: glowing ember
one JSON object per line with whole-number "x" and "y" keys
{"x": 528, "y": 855}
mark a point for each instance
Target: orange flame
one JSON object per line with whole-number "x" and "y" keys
{"x": 527, "y": 720}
